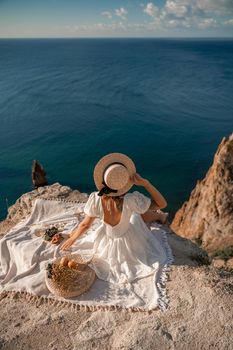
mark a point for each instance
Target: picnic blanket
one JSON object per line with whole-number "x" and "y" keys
{"x": 24, "y": 256}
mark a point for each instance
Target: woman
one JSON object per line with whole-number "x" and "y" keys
{"x": 124, "y": 247}
{"x": 115, "y": 203}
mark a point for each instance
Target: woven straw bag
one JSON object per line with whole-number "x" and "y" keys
{"x": 72, "y": 282}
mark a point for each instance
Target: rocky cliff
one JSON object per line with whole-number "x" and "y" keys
{"x": 23, "y": 205}
{"x": 207, "y": 216}
{"x": 199, "y": 314}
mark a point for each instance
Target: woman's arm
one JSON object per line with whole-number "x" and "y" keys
{"x": 82, "y": 227}
{"x": 158, "y": 201}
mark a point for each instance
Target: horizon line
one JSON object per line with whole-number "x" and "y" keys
{"x": 129, "y": 37}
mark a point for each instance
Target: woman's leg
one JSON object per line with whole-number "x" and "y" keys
{"x": 150, "y": 216}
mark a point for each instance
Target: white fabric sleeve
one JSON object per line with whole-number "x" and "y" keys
{"x": 90, "y": 206}
{"x": 139, "y": 203}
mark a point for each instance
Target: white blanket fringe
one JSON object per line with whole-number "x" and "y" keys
{"x": 163, "y": 299}
{"x": 39, "y": 300}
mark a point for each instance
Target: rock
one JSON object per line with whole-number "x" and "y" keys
{"x": 218, "y": 263}
{"x": 38, "y": 175}
{"x": 229, "y": 264}
{"x": 17, "y": 324}
{"x": 207, "y": 217}
{"x": 23, "y": 205}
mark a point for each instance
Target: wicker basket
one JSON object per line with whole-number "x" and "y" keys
{"x": 71, "y": 282}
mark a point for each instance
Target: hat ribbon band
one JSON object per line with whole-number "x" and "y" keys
{"x": 106, "y": 190}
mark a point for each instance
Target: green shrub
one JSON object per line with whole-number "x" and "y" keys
{"x": 198, "y": 241}
{"x": 201, "y": 259}
{"x": 225, "y": 253}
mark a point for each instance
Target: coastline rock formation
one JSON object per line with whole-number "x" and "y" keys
{"x": 199, "y": 314}
{"x": 207, "y": 216}
{"x": 23, "y": 205}
{"x": 38, "y": 175}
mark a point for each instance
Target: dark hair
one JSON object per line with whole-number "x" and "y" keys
{"x": 106, "y": 189}
{"x": 118, "y": 200}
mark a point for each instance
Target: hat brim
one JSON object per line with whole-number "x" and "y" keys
{"x": 107, "y": 160}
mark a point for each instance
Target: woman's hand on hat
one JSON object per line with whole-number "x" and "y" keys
{"x": 138, "y": 180}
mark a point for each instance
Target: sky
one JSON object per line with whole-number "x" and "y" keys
{"x": 115, "y": 18}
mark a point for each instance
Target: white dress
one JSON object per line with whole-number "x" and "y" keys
{"x": 128, "y": 250}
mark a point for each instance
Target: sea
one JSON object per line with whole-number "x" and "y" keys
{"x": 166, "y": 103}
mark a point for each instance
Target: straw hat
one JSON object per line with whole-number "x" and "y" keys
{"x": 112, "y": 174}
{"x": 69, "y": 282}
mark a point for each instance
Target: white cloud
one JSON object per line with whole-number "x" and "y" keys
{"x": 151, "y": 9}
{"x": 177, "y": 14}
{"x": 176, "y": 8}
{"x": 97, "y": 27}
{"x": 107, "y": 14}
{"x": 121, "y": 12}
{"x": 199, "y": 14}
{"x": 222, "y": 7}
{"x": 113, "y": 28}
{"x": 206, "y": 23}
{"x": 174, "y": 23}
{"x": 229, "y": 22}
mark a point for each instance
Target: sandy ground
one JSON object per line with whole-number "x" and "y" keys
{"x": 199, "y": 316}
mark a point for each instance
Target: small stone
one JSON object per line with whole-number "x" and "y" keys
{"x": 229, "y": 263}
{"x": 65, "y": 189}
{"x": 218, "y": 263}
{"x": 41, "y": 190}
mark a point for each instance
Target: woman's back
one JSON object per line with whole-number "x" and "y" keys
{"x": 112, "y": 209}
{"x": 117, "y": 226}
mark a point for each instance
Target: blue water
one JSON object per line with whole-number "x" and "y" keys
{"x": 67, "y": 102}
